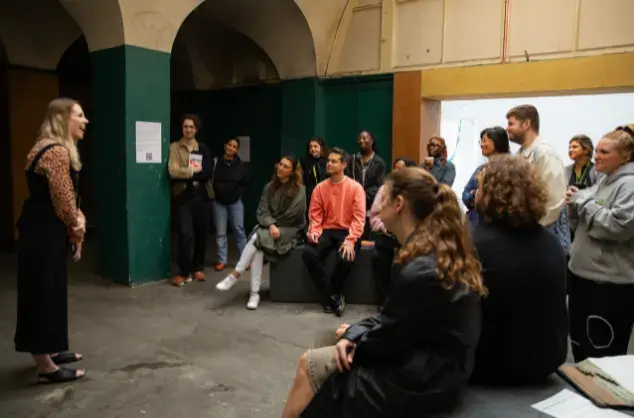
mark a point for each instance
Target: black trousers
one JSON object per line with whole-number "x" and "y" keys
{"x": 193, "y": 226}
{"x": 382, "y": 259}
{"x": 315, "y": 256}
{"x": 367, "y": 230}
{"x": 601, "y": 317}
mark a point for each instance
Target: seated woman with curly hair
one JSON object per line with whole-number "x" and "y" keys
{"x": 524, "y": 320}
{"x": 417, "y": 354}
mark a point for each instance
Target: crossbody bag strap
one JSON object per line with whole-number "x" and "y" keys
{"x": 213, "y": 171}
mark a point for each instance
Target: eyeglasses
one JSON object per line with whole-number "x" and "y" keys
{"x": 626, "y": 129}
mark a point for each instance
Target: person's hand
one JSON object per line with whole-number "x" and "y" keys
{"x": 77, "y": 232}
{"x": 570, "y": 192}
{"x": 313, "y": 237}
{"x": 275, "y": 233}
{"x": 428, "y": 162}
{"x": 78, "y": 249}
{"x": 341, "y": 330}
{"x": 345, "y": 354}
{"x": 347, "y": 251}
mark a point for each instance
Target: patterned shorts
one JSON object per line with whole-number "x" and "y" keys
{"x": 321, "y": 363}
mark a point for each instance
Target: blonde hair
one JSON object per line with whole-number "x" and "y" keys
{"x": 623, "y": 138}
{"x": 55, "y": 127}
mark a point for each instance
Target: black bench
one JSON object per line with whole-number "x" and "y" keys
{"x": 290, "y": 281}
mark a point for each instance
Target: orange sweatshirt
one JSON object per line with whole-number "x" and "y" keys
{"x": 338, "y": 206}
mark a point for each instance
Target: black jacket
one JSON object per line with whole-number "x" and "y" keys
{"x": 314, "y": 173}
{"x": 413, "y": 358}
{"x": 524, "y": 317}
{"x": 230, "y": 180}
{"x": 373, "y": 178}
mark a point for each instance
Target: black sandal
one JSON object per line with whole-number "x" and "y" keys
{"x": 66, "y": 357}
{"x": 61, "y": 375}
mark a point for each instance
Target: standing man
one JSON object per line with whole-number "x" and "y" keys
{"x": 523, "y": 129}
{"x": 336, "y": 223}
{"x": 191, "y": 170}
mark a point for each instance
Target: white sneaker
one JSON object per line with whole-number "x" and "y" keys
{"x": 254, "y": 301}
{"x": 227, "y": 283}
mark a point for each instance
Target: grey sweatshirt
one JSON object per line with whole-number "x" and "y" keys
{"x": 603, "y": 220}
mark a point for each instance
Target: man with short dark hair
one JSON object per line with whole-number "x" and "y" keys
{"x": 191, "y": 169}
{"x": 523, "y": 129}
{"x": 336, "y": 222}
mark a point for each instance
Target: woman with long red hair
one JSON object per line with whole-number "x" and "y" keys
{"x": 443, "y": 170}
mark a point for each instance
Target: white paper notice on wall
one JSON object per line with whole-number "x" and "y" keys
{"x": 148, "y": 142}
{"x": 244, "y": 152}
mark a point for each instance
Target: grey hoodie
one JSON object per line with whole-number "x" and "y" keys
{"x": 603, "y": 220}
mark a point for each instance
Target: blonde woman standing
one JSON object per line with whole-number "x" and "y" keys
{"x": 601, "y": 287}
{"x": 50, "y": 227}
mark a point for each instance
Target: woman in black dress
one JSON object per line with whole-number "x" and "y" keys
{"x": 50, "y": 227}
{"x": 417, "y": 355}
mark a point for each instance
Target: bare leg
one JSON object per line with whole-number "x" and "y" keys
{"x": 45, "y": 365}
{"x": 301, "y": 393}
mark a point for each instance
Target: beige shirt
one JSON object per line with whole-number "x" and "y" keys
{"x": 544, "y": 158}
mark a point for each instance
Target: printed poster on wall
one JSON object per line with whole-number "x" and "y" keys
{"x": 244, "y": 152}
{"x": 148, "y": 142}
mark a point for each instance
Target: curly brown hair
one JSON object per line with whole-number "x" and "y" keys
{"x": 441, "y": 231}
{"x": 511, "y": 192}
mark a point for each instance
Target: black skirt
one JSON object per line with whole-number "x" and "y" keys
{"x": 42, "y": 315}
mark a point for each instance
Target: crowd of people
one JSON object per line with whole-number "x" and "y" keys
{"x": 543, "y": 253}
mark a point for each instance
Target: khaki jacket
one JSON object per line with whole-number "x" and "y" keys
{"x": 179, "y": 168}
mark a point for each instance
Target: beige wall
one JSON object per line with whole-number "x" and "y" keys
{"x": 434, "y": 33}
{"x": 325, "y": 37}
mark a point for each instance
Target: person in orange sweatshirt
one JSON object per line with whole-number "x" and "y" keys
{"x": 336, "y": 223}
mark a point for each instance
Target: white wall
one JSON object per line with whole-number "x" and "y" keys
{"x": 561, "y": 118}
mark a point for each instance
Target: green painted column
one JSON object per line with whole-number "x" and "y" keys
{"x": 132, "y": 200}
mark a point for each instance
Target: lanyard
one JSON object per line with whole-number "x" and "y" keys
{"x": 583, "y": 173}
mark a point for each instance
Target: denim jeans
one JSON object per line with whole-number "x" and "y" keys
{"x": 233, "y": 214}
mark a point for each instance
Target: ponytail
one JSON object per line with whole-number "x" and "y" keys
{"x": 442, "y": 231}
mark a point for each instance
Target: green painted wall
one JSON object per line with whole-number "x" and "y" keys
{"x": 301, "y": 112}
{"x": 132, "y": 201}
{"x": 351, "y": 104}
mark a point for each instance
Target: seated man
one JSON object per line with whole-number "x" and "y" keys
{"x": 336, "y": 222}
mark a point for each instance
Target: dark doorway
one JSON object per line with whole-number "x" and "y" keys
{"x": 75, "y": 81}
{"x": 6, "y": 209}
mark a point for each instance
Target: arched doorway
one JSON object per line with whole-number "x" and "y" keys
{"x": 74, "y": 72}
{"x": 229, "y": 60}
{"x": 6, "y": 211}
{"x": 35, "y": 35}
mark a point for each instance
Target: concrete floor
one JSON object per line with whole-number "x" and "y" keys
{"x": 159, "y": 351}
{"x": 163, "y": 352}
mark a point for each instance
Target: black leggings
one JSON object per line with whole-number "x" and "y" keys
{"x": 382, "y": 260}
{"x": 601, "y": 317}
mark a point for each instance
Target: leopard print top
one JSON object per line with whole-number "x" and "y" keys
{"x": 55, "y": 166}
